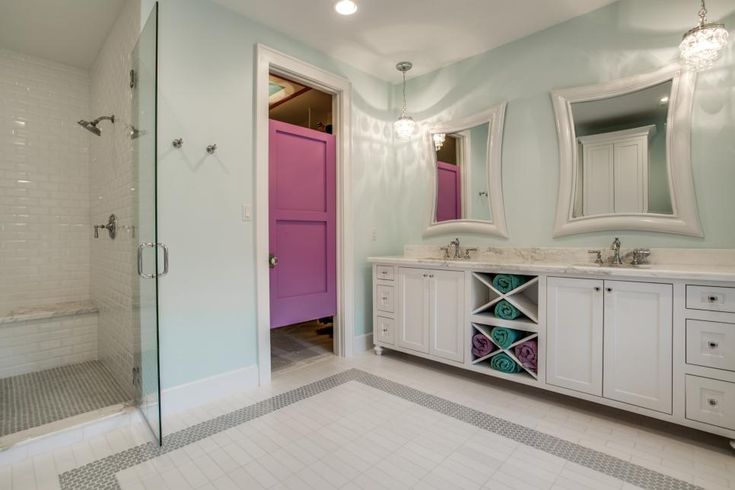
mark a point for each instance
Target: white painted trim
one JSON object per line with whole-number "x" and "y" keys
{"x": 269, "y": 60}
{"x": 495, "y": 116}
{"x": 685, "y": 217}
{"x": 363, "y": 343}
{"x": 202, "y": 391}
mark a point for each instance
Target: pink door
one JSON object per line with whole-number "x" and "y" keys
{"x": 449, "y": 195}
{"x": 302, "y": 224}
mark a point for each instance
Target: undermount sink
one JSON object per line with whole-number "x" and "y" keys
{"x": 613, "y": 266}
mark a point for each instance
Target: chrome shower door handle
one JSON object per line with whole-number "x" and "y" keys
{"x": 165, "y": 259}
{"x": 140, "y": 260}
{"x": 145, "y": 245}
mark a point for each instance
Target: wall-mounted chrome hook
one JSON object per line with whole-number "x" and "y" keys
{"x": 177, "y": 143}
{"x": 211, "y": 149}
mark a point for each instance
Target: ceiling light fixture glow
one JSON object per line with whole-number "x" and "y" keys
{"x": 404, "y": 126}
{"x": 703, "y": 45}
{"x": 345, "y": 7}
{"x": 439, "y": 139}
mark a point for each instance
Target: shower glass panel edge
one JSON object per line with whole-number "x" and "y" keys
{"x": 144, "y": 85}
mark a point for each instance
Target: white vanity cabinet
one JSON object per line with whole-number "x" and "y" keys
{"x": 638, "y": 324}
{"x": 430, "y": 316}
{"x": 574, "y": 333}
{"x": 656, "y": 343}
{"x": 611, "y": 339}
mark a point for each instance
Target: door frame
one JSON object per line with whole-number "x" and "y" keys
{"x": 268, "y": 61}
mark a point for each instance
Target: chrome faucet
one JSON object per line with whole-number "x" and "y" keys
{"x": 457, "y": 249}
{"x": 616, "y": 259}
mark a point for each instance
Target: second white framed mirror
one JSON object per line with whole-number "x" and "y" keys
{"x": 467, "y": 175}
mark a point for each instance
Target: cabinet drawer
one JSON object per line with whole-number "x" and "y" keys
{"x": 385, "y": 298}
{"x": 711, "y": 344}
{"x": 710, "y": 401}
{"x": 385, "y": 330}
{"x": 711, "y": 298}
{"x": 384, "y": 272}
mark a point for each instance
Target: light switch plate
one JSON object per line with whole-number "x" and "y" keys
{"x": 247, "y": 213}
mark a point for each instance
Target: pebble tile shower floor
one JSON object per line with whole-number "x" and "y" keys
{"x": 35, "y": 399}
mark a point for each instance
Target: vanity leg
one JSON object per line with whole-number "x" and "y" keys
{"x": 378, "y": 350}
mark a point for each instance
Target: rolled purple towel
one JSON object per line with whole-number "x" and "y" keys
{"x": 481, "y": 345}
{"x": 527, "y": 353}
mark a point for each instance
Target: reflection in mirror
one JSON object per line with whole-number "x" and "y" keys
{"x": 462, "y": 174}
{"x": 466, "y": 173}
{"x": 621, "y": 154}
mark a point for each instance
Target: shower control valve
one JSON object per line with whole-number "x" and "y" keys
{"x": 111, "y": 227}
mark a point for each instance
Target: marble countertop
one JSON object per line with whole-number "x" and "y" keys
{"x": 703, "y": 272}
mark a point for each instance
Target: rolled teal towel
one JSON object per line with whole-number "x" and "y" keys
{"x": 504, "y": 337}
{"x": 506, "y": 311}
{"x": 508, "y": 282}
{"x": 503, "y": 363}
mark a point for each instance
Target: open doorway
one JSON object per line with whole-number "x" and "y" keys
{"x": 302, "y": 238}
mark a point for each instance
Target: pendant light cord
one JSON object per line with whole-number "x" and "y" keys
{"x": 405, "y": 106}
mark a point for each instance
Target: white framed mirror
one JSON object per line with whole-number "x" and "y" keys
{"x": 625, "y": 155}
{"x": 467, "y": 175}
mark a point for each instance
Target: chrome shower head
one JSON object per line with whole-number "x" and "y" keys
{"x": 92, "y": 126}
{"x": 89, "y": 127}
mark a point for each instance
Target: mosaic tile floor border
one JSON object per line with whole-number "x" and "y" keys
{"x": 100, "y": 474}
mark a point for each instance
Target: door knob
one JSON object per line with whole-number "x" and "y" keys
{"x": 272, "y": 261}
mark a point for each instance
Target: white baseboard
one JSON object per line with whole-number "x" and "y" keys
{"x": 363, "y": 343}
{"x": 184, "y": 397}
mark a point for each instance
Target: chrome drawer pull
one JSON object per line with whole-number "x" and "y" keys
{"x": 712, "y": 402}
{"x": 713, "y": 345}
{"x": 712, "y": 299}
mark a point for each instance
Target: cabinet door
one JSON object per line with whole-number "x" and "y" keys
{"x": 574, "y": 332}
{"x": 631, "y": 175}
{"x": 638, "y": 331}
{"x": 446, "y": 313}
{"x": 597, "y": 175}
{"x": 413, "y": 309}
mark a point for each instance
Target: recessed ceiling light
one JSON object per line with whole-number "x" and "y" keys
{"x": 345, "y": 7}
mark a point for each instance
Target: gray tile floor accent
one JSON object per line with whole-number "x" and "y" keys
{"x": 34, "y": 399}
{"x": 100, "y": 475}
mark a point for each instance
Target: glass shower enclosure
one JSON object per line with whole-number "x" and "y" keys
{"x": 152, "y": 256}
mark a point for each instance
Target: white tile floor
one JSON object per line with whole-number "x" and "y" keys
{"x": 354, "y": 436}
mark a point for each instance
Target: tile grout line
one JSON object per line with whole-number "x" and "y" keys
{"x": 100, "y": 474}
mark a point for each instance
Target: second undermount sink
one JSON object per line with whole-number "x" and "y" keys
{"x": 613, "y": 266}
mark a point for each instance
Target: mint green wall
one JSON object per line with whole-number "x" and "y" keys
{"x": 206, "y": 62}
{"x": 623, "y": 39}
{"x": 206, "y": 76}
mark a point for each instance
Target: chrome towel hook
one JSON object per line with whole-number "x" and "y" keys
{"x": 177, "y": 143}
{"x": 211, "y": 149}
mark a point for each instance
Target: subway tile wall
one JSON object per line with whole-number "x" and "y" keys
{"x": 44, "y": 182}
{"x": 114, "y": 274}
{"x": 30, "y": 346}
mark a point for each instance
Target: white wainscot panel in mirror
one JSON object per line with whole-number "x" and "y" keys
{"x": 625, "y": 155}
{"x": 468, "y": 194}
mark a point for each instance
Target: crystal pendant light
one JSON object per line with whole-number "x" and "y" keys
{"x": 703, "y": 44}
{"x": 439, "y": 139}
{"x": 404, "y": 126}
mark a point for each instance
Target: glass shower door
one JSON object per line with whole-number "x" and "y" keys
{"x": 143, "y": 82}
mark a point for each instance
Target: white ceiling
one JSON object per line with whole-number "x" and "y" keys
{"x": 69, "y": 32}
{"x": 431, "y": 33}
